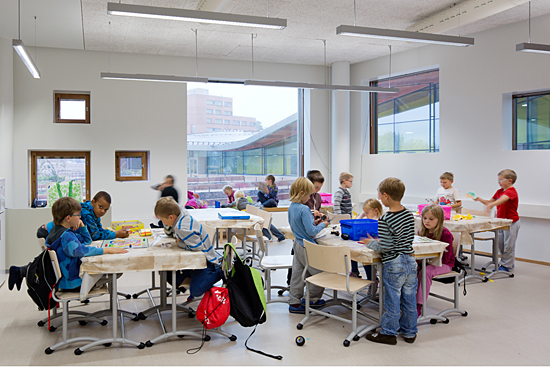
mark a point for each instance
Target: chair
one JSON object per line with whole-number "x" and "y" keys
{"x": 334, "y": 262}
{"x": 269, "y": 263}
{"x": 455, "y": 276}
{"x": 64, "y": 297}
{"x": 252, "y": 236}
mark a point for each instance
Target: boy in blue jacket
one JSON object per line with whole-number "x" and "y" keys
{"x": 68, "y": 238}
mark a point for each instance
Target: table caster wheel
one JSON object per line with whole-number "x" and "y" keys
{"x": 77, "y": 351}
{"x": 433, "y": 321}
{"x": 136, "y": 318}
{"x": 281, "y": 292}
{"x": 148, "y": 344}
{"x": 135, "y": 295}
{"x": 141, "y": 316}
{"x": 207, "y": 338}
{"x": 465, "y": 314}
{"x": 82, "y": 322}
{"x": 485, "y": 280}
{"x": 141, "y": 345}
{"x": 52, "y": 329}
{"x": 48, "y": 350}
{"x": 511, "y": 275}
{"x": 233, "y": 338}
{"x": 128, "y": 296}
{"x": 356, "y": 338}
{"x": 40, "y": 323}
{"x": 191, "y": 315}
{"x": 181, "y": 336}
{"x": 107, "y": 344}
{"x": 299, "y": 326}
{"x": 104, "y": 322}
{"x": 86, "y": 301}
{"x": 346, "y": 343}
{"x": 446, "y": 321}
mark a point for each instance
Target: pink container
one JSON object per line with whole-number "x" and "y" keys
{"x": 326, "y": 199}
{"x": 446, "y": 210}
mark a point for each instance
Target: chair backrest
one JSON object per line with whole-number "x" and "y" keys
{"x": 260, "y": 238}
{"x": 55, "y": 264}
{"x": 336, "y": 218}
{"x": 266, "y": 216}
{"x": 328, "y": 258}
{"x": 251, "y": 209}
{"x": 456, "y": 243}
{"x": 42, "y": 243}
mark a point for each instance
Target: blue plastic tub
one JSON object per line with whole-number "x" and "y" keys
{"x": 217, "y": 204}
{"x": 359, "y": 228}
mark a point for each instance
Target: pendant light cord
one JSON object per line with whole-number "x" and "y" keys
{"x": 268, "y": 8}
{"x": 389, "y": 77}
{"x": 325, "y": 64}
{"x": 19, "y": 16}
{"x": 196, "y": 52}
{"x": 529, "y": 22}
{"x": 354, "y": 14}
{"x": 252, "y": 38}
{"x": 35, "y": 43}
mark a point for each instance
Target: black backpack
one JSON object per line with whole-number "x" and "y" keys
{"x": 459, "y": 268}
{"x": 41, "y": 280}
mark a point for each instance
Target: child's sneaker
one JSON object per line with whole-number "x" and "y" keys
{"x": 382, "y": 338}
{"x": 297, "y": 309}
{"x": 410, "y": 340}
{"x": 320, "y": 303}
{"x": 503, "y": 268}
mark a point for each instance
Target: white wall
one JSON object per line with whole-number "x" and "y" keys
{"x": 126, "y": 115}
{"x": 473, "y": 81}
{"x": 6, "y": 117}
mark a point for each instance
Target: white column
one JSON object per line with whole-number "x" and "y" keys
{"x": 6, "y": 117}
{"x": 340, "y": 142}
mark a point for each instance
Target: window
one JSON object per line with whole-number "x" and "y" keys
{"x": 227, "y": 122}
{"x": 209, "y": 102}
{"x": 72, "y": 108}
{"x": 209, "y": 111}
{"x": 131, "y": 166}
{"x": 209, "y": 129}
{"x": 236, "y": 122}
{"x": 208, "y": 121}
{"x": 227, "y": 113}
{"x": 227, "y": 104}
{"x": 243, "y": 123}
{"x": 408, "y": 121}
{"x": 219, "y": 121}
{"x": 218, "y": 112}
{"x": 192, "y": 129}
{"x": 51, "y": 167}
{"x": 252, "y": 123}
{"x": 531, "y": 121}
{"x": 218, "y": 103}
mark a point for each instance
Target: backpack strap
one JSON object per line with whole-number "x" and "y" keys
{"x": 279, "y": 357}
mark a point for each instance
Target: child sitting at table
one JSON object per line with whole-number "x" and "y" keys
{"x": 447, "y": 194}
{"x": 432, "y": 227}
{"x": 268, "y": 192}
{"x": 396, "y": 234}
{"x": 506, "y": 200}
{"x": 228, "y": 190}
{"x": 68, "y": 238}
{"x": 372, "y": 209}
{"x": 190, "y": 236}
{"x": 300, "y": 219}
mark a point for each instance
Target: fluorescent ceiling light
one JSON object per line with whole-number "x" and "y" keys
{"x": 194, "y": 16}
{"x": 26, "y": 57}
{"x": 153, "y": 78}
{"x": 533, "y": 47}
{"x": 348, "y": 88}
{"x": 439, "y": 39}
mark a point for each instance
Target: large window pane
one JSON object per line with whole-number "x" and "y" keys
{"x": 532, "y": 121}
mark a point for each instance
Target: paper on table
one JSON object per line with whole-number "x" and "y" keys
{"x": 323, "y": 232}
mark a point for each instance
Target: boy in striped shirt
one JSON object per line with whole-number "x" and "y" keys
{"x": 396, "y": 234}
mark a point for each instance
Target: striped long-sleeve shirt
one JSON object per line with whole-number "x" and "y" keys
{"x": 342, "y": 201}
{"x": 191, "y": 236}
{"x": 396, "y": 234}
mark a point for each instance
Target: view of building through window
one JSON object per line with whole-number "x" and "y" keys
{"x": 532, "y": 121}
{"x": 255, "y": 135}
{"x": 408, "y": 121}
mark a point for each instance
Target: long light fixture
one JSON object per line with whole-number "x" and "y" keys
{"x": 532, "y": 47}
{"x": 153, "y": 78}
{"x": 390, "y": 34}
{"x": 24, "y": 54}
{"x": 347, "y": 88}
{"x": 194, "y": 16}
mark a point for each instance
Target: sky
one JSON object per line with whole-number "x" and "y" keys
{"x": 267, "y": 104}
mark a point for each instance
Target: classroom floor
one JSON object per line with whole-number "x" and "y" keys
{"x": 507, "y": 325}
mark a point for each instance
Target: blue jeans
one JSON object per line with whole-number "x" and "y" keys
{"x": 400, "y": 282}
{"x": 201, "y": 279}
{"x": 266, "y": 202}
{"x": 275, "y": 231}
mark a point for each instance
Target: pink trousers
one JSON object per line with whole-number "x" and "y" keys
{"x": 431, "y": 271}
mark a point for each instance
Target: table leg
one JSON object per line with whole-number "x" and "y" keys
{"x": 424, "y": 316}
{"x": 369, "y": 328}
{"x": 473, "y": 265}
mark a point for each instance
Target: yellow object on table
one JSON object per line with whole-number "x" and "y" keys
{"x": 145, "y": 232}
{"x": 460, "y": 217}
{"x": 129, "y": 225}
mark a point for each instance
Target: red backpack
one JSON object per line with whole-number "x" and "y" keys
{"x": 214, "y": 308}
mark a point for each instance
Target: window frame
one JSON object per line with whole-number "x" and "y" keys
{"x": 127, "y": 154}
{"x": 71, "y": 96}
{"x": 49, "y": 153}
{"x": 514, "y": 114}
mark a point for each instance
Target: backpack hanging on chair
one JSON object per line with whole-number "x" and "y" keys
{"x": 246, "y": 293}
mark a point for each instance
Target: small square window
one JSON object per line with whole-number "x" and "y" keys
{"x": 72, "y": 108}
{"x": 218, "y": 112}
{"x": 131, "y": 166}
{"x": 209, "y": 111}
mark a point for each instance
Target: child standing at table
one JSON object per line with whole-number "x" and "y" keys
{"x": 372, "y": 209}
{"x": 396, "y": 234}
{"x": 315, "y": 200}
{"x": 190, "y": 236}
{"x": 432, "y": 227}
{"x": 68, "y": 238}
{"x": 447, "y": 194}
{"x": 300, "y": 219}
{"x": 342, "y": 197}
{"x": 506, "y": 200}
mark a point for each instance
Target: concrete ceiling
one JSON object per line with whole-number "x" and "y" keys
{"x": 85, "y": 24}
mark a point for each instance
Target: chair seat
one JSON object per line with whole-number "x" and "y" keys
{"x": 446, "y": 275}
{"x": 337, "y": 282}
{"x": 484, "y": 236}
{"x": 276, "y": 262}
{"x": 64, "y": 295}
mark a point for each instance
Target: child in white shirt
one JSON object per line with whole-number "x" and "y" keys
{"x": 447, "y": 194}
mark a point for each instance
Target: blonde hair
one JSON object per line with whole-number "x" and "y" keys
{"x": 437, "y": 212}
{"x": 227, "y": 187}
{"x": 345, "y": 176}
{"x": 301, "y": 188}
{"x": 239, "y": 194}
{"x": 63, "y": 207}
{"x": 509, "y": 175}
{"x": 374, "y": 205}
{"x": 447, "y": 176}
{"x": 167, "y": 206}
{"x": 392, "y": 186}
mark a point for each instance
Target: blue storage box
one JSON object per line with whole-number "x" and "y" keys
{"x": 359, "y": 228}
{"x": 217, "y": 204}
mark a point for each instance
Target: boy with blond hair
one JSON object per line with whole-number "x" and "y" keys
{"x": 506, "y": 200}
{"x": 190, "y": 236}
{"x": 396, "y": 234}
{"x": 342, "y": 197}
{"x": 447, "y": 194}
